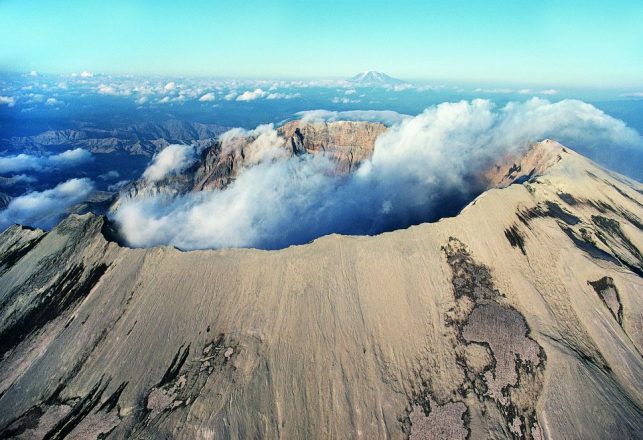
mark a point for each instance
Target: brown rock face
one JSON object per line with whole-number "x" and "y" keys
{"x": 348, "y": 142}
{"x": 523, "y": 165}
{"x": 217, "y": 169}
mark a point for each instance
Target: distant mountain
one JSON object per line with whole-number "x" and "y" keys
{"x": 373, "y": 78}
{"x": 141, "y": 139}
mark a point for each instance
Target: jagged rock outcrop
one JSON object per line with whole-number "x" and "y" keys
{"x": 347, "y": 143}
{"x": 520, "y": 166}
{"x": 4, "y": 200}
{"x": 518, "y": 318}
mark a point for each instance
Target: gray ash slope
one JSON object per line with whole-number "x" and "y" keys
{"x": 519, "y": 318}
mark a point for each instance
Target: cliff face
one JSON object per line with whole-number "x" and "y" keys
{"x": 520, "y": 317}
{"x": 4, "y": 200}
{"x": 347, "y": 143}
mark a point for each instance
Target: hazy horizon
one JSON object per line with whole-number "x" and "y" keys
{"x": 556, "y": 43}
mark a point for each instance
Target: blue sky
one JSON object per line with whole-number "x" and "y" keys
{"x": 541, "y": 42}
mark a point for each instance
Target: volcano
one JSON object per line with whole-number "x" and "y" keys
{"x": 520, "y": 317}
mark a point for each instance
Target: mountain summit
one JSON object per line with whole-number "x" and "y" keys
{"x": 373, "y": 78}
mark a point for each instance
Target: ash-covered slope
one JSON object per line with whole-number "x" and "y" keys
{"x": 520, "y": 317}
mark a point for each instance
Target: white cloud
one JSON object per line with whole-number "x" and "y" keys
{"x": 283, "y": 96}
{"x": 344, "y": 100}
{"x": 230, "y": 96}
{"x": 423, "y": 167}
{"x": 8, "y": 100}
{"x": 169, "y": 86}
{"x": 118, "y": 90}
{"x": 537, "y": 92}
{"x": 251, "y": 96}
{"x": 520, "y": 91}
{"x": 77, "y": 155}
{"x": 45, "y": 208}
{"x": 430, "y": 87}
{"x": 52, "y": 102}
{"x": 208, "y": 97}
{"x": 86, "y": 74}
{"x": 104, "y": 89}
{"x": 386, "y": 117}
{"x": 23, "y": 162}
{"x": 16, "y": 179}
{"x": 117, "y": 186}
{"x": 33, "y": 73}
{"x": 499, "y": 90}
{"x": 633, "y": 95}
{"x": 172, "y": 159}
{"x": 35, "y": 97}
{"x": 20, "y": 162}
{"x": 402, "y": 87}
{"x": 267, "y": 145}
{"x": 110, "y": 175}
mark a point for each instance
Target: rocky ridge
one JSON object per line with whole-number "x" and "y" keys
{"x": 346, "y": 143}
{"x": 141, "y": 139}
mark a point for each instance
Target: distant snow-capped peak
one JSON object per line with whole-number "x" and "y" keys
{"x": 371, "y": 77}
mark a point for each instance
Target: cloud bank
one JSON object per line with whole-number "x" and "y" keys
{"x": 172, "y": 159}
{"x": 24, "y": 162}
{"x": 251, "y": 95}
{"x": 423, "y": 168}
{"x": 386, "y": 117}
{"x": 17, "y": 179}
{"x": 43, "y": 209}
{"x": 208, "y": 97}
{"x": 8, "y": 100}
